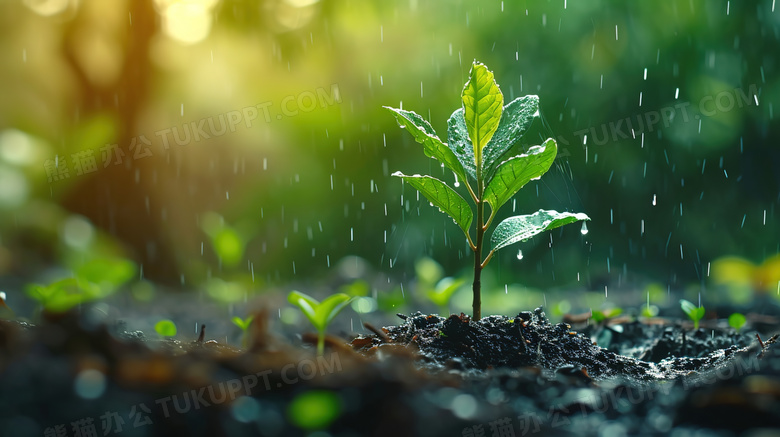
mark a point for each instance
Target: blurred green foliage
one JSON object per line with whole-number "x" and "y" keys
{"x": 315, "y": 409}
{"x": 165, "y": 328}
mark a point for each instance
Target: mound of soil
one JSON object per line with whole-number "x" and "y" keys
{"x": 530, "y": 340}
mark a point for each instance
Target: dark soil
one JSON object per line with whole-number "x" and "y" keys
{"x": 427, "y": 376}
{"x": 530, "y": 340}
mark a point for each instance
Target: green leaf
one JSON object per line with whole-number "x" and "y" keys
{"x": 319, "y": 314}
{"x": 165, "y": 328}
{"x": 107, "y": 274}
{"x": 514, "y": 173}
{"x": 598, "y": 316}
{"x": 687, "y": 307}
{"x": 62, "y": 295}
{"x": 307, "y": 304}
{"x": 516, "y": 118}
{"x": 330, "y": 307}
{"x": 692, "y": 311}
{"x": 737, "y": 321}
{"x": 444, "y": 291}
{"x": 459, "y": 143}
{"x": 444, "y": 197}
{"x": 424, "y": 134}
{"x": 523, "y": 227}
{"x": 482, "y": 106}
{"x": 242, "y": 323}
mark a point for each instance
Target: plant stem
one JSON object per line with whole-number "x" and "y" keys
{"x": 477, "y": 286}
{"x": 477, "y": 305}
{"x": 321, "y": 343}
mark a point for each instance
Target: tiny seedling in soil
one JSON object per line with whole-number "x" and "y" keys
{"x": 603, "y": 315}
{"x": 165, "y": 328}
{"x": 320, "y": 314}
{"x": 243, "y": 324}
{"x": 62, "y": 295}
{"x": 481, "y": 135}
{"x": 692, "y": 311}
{"x": 434, "y": 286}
{"x": 737, "y": 321}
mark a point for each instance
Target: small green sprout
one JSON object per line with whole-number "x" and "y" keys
{"x": 434, "y": 286}
{"x": 94, "y": 280}
{"x": 737, "y": 321}
{"x": 228, "y": 242}
{"x": 165, "y": 328}
{"x": 603, "y": 315}
{"x": 243, "y": 324}
{"x": 482, "y": 134}
{"x": 649, "y": 311}
{"x": 319, "y": 314}
{"x": 692, "y": 311}
{"x": 442, "y": 293}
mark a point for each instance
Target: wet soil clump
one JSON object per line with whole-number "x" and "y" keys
{"x": 529, "y": 339}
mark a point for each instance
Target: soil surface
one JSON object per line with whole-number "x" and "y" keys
{"x": 429, "y": 375}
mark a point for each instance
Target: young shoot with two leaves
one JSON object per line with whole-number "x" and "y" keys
{"x": 481, "y": 134}
{"x": 319, "y": 313}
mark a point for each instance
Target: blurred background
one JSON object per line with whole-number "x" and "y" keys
{"x": 236, "y": 148}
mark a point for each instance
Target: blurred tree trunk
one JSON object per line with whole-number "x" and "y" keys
{"x": 111, "y": 198}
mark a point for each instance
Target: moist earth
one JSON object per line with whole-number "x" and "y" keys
{"x": 429, "y": 375}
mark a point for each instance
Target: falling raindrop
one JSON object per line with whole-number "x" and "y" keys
{"x": 519, "y": 254}
{"x": 654, "y": 199}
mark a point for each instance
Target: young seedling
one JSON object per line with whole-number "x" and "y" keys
{"x": 319, "y": 314}
{"x": 434, "y": 286}
{"x": 62, "y": 295}
{"x": 243, "y": 324}
{"x": 165, "y": 328}
{"x": 94, "y": 280}
{"x": 737, "y": 321}
{"x": 481, "y": 134}
{"x": 692, "y": 311}
{"x": 604, "y": 315}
